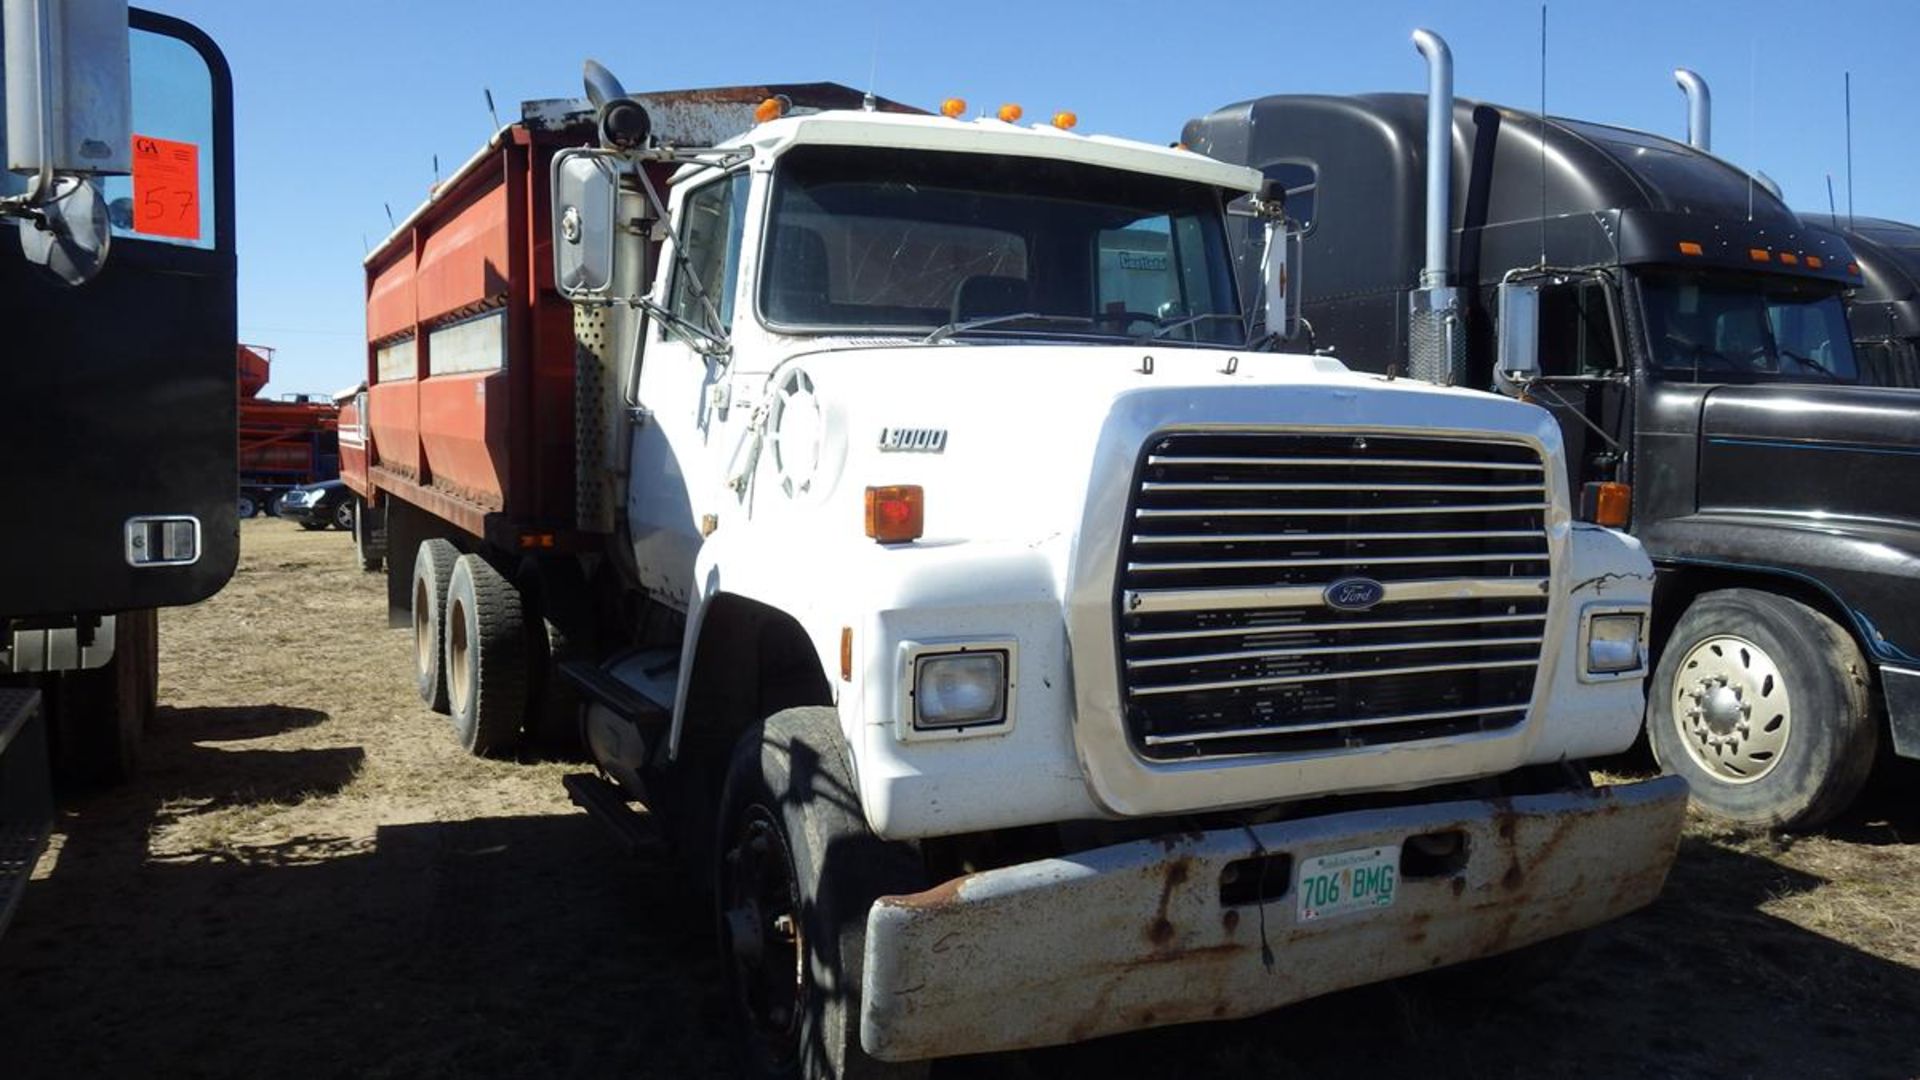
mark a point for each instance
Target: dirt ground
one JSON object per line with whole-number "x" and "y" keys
{"x": 311, "y": 879}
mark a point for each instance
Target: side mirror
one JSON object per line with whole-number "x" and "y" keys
{"x": 69, "y": 88}
{"x": 1279, "y": 280}
{"x": 586, "y": 198}
{"x": 1519, "y": 332}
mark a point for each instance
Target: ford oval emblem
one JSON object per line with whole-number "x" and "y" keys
{"x": 1354, "y": 594}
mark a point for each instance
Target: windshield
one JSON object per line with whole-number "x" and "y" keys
{"x": 1718, "y": 329}
{"x": 919, "y": 241}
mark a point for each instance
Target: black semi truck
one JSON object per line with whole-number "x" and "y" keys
{"x": 117, "y": 306}
{"x": 1690, "y": 334}
{"x": 1885, "y": 308}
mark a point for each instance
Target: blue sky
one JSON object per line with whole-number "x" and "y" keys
{"x": 341, "y": 106}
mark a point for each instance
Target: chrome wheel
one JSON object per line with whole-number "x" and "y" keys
{"x": 1732, "y": 709}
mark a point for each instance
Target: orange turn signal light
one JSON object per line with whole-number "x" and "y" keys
{"x": 1065, "y": 120}
{"x": 1789, "y": 258}
{"x": 1011, "y": 113}
{"x": 1688, "y": 247}
{"x": 1814, "y": 261}
{"x": 953, "y": 108}
{"x": 1759, "y": 254}
{"x": 846, "y": 654}
{"x": 536, "y": 540}
{"x": 896, "y": 513}
{"x": 1608, "y": 503}
{"x": 770, "y": 109}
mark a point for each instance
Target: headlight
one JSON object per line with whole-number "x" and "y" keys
{"x": 960, "y": 689}
{"x": 1613, "y": 643}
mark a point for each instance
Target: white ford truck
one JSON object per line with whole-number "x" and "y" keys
{"x": 1032, "y": 651}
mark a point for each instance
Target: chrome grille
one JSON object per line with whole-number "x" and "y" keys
{"x": 1227, "y": 644}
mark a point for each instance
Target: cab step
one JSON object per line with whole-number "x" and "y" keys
{"x": 633, "y": 830}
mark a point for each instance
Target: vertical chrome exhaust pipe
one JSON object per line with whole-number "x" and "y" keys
{"x": 1439, "y": 154}
{"x": 1436, "y": 311}
{"x": 1699, "y": 109}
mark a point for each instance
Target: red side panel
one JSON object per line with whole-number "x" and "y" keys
{"x": 353, "y": 447}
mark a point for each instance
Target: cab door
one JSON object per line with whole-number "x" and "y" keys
{"x": 679, "y": 467}
{"x": 121, "y": 390}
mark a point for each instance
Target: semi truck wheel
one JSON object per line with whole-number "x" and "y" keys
{"x": 486, "y": 658}
{"x": 797, "y": 872}
{"x": 432, "y": 569}
{"x": 1762, "y": 704}
{"x": 100, "y": 714}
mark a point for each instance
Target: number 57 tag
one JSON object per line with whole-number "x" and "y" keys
{"x": 166, "y": 188}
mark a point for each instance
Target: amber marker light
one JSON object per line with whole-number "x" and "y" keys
{"x": 1011, "y": 113}
{"x": 953, "y": 108}
{"x": 1688, "y": 247}
{"x": 1065, "y": 120}
{"x": 770, "y": 109}
{"x": 1815, "y": 262}
{"x": 896, "y": 514}
{"x": 1607, "y": 503}
{"x": 846, "y": 654}
{"x": 1759, "y": 255}
{"x": 1788, "y": 258}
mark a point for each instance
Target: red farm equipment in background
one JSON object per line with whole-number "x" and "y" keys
{"x": 284, "y": 443}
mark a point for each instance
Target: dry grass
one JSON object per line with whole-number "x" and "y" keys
{"x": 311, "y": 879}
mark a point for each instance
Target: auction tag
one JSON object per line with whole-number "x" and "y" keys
{"x": 166, "y": 188}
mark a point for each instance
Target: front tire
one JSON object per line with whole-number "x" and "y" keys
{"x": 1762, "y": 703}
{"x": 486, "y": 659}
{"x": 797, "y": 871}
{"x": 432, "y": 570}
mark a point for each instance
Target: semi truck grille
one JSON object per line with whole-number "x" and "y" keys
{"x": 1228, "y": 644}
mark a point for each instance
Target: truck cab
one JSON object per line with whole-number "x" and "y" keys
{"x": 958, "y": 571}
{"x": 1689, "y": 334}
{"x": 1884, "y": 308}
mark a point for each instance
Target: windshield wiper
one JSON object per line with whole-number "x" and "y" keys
{"x": 1162, "y": 331}
{"x": 952, "y": 328}
{"x": 1808, "y": 361}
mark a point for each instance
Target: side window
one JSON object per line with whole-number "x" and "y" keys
{"x": 712, "y": 221}
{"x": 1576, "y": 331}
{"x": 1300, "y": 179}
{"x": 170, "y": 197}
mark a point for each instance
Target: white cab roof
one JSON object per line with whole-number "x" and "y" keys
{"x": 993, "y": 136}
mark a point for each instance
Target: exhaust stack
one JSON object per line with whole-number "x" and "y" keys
{"x": 1436, "y": 323}
{"x": 1699, "y": 109}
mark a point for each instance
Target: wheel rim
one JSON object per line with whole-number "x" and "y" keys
{"x": 245, "y": 507}
{"x": 423, "y": 643}
{"x": 1732, "y": 709}
{"x": 459, "y": 679}
{"x": 343, "y": 516}
{"x": 763, "y": 938}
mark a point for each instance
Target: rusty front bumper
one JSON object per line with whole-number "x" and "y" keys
{"x": 1136, "y": 935}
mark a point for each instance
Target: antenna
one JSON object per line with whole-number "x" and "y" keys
{"x": 1753, "y": 91}
{"x": 364, "y": 244}
{"x": 867, "y": 101}
{"x": 1849, "y": 149}
{"x": 1833, "y": 216}
{"x": 388, "y": 207}
{"x": 436, "y": 172}
{"x": 1543, "y": 136}
{"x": 490, "y": 110}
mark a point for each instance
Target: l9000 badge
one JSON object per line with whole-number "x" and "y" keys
{"x": 923, "y": 440}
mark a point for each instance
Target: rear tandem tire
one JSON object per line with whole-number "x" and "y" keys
{"x": 796, "y": 872}
{"x": 486, "y": 658}
{"x": 371, "y": 553}
{"x": 432, "y": 569}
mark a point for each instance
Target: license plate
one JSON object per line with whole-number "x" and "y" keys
{"x": 1361, "y": 880}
